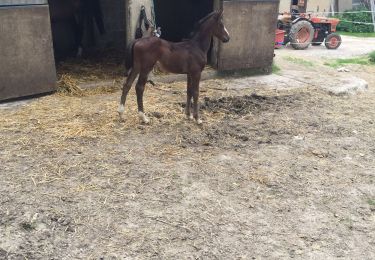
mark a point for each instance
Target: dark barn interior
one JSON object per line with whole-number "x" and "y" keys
{"x": 99, "y": 24}
{"x": 95, "y": 23}
{"x": 91, "y": 24}
{"x": 177, "y": 18}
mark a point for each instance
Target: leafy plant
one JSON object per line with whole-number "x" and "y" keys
{"x": 372, "y": 57}
{"x": 353, "y": 22}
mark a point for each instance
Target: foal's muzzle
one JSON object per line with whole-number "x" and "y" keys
{"x": 226, "y": 39}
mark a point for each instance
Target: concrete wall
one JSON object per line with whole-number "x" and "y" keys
{"x": 27, "y": 64}
{"x": 345, "y": 5}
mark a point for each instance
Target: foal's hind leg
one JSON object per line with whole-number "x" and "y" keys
{"x": 189, "y": 95}
{"x": 195, "y": 89}
{"x": 125, "y": 90}
{"x": 140, "y": 88}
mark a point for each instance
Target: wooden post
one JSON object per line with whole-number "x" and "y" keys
{"x": 333, "y": 7}
{"x": 373, "y": 12}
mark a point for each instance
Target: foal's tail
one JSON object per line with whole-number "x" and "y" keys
{"x": 129, "y": 57}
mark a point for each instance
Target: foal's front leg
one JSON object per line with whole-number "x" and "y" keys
{"x": 195, "y": 89}
{"x": 140, "y": 88}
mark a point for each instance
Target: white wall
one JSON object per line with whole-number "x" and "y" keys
{"x": 312, "y": 5}
{"x": 133, "y": 8}
{"x": 315, "y": 5}
{"x": 345, "y": 5}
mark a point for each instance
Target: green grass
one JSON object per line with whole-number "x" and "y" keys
{"x": 275, "y": 69}
{"x": 300, "y": 61}
{"x": 340, "y": 62}
{"x": 372, "y": 57}
{"x": 371, "y": 202}
{"x": 363, "y": 60}
{"x": 365, "y": 35}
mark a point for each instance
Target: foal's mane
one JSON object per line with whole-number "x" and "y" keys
{"x": 198, "y": 24}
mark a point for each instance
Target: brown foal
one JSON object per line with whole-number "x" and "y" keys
{"x": 186, "y": 57}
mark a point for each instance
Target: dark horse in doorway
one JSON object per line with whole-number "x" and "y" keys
{"x": 186, "y": 57}
{"x": 76, "y": 17}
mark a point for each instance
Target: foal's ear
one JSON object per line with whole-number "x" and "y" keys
{"x": 219, "y": 13}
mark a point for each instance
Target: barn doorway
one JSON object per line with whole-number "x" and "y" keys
{"x": 89, "y": 39}
{"x": 90, "y": 24}
{"x": 177, "y": 18}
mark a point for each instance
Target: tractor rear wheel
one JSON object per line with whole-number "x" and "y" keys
{"x": 301, "y": 35}
{"x": 333, "y": 41}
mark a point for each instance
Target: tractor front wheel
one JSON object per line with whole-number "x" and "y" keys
{"x": 301, "y": 35}
{"x": 333, "y": 41}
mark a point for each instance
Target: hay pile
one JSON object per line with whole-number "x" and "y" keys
{"x": 104, "y": 69}
{"x": 59, "y": 124}
{"x": 91, "y": 114}
{"x": 99, "y": 65}
{"x": 68, "y": 85}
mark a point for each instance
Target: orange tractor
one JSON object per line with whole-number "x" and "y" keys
{"x": 302, "y": 29}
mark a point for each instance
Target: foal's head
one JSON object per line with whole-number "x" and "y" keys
{"x": 219, "y": 29}
{"x": 212, "y": 24}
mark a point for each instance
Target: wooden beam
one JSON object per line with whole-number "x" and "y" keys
{"x": 332, "y": 7}
{"x": 373, "y": 12}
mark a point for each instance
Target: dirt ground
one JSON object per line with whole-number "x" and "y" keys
{"x": 275, "y": 172}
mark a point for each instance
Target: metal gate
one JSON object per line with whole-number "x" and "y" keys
{"x": 22, "y": 2}
{"x": 251, "y": 25}
{"x": 27, "y": 65}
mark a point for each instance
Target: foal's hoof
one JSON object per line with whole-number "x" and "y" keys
{"x": 121, "y": 117}
{"x": 189, "y": 117}
{"x": 120, "y": 111}
{"x": 146, "y": 121}
{"x": 199, "y": 122}
{"x": 143, "y": 118}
